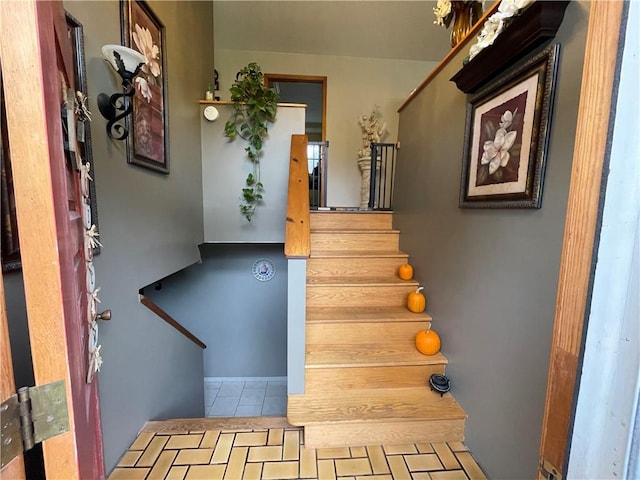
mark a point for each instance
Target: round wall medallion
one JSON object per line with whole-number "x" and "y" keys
{"x": 210, "y": 113}
{"x": 263, "y": 269}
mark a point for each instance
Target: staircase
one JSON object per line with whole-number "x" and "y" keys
{"x": 365, "y": 382}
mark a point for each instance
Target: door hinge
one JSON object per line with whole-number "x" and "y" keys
{"x": 548, "y": 471}
{"x": 31, "y": 416}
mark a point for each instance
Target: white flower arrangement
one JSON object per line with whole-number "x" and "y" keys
{"x": 443, "y": 12}
{"x": 496, "y": 23}
{"x": 373, "y": 129}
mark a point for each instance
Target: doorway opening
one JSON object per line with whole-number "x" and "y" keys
{"x": 312, "y": 91}
{"x": 308, "y": 89}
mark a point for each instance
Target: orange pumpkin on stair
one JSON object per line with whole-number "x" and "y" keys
{"x": 405, "y": 272}
{"x": 428, "y": 342}
{"x": 416, "y": 301}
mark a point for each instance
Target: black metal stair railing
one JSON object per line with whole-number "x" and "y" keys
{"x": 383, "y": 165}
{"x": 318, "y": 159}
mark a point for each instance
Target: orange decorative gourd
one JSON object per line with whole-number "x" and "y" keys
{"x": 405, "y": 272}
{"x": 416, "y": 302}
{"x": 428, "y": 342}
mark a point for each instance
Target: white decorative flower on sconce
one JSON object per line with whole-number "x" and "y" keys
{"x": 128, "y": 63}
{"x": 496, "y": 23}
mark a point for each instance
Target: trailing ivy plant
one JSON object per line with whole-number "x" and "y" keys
{"x": 255, "y": 106}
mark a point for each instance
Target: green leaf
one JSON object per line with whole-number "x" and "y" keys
{"x": 248, "y": 196}
{"x": 483, "y": 172}
{"x": 255, "y": 106}
{"x": 230, "y": 130}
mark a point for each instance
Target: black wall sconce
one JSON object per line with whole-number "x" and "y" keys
{"x": 127, "y": 62}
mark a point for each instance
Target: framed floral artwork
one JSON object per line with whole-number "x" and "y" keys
{"x": 148, "y": 141}
{"x": 506, "y": 136}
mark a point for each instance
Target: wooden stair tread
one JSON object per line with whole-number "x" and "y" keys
{"x": 364, "y": 314}
{"x": 372, "y": 405}
{"x": 352, "y": 231}
{"x": 359, "y": 281}
{"x": 350, "y": 211}
{"x": 364, "y": 377}
{"x": 358, "y": 253}
{"x": 327, "y": 355}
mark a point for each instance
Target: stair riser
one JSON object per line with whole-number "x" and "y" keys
{"x": 328, "y": 379}
{"x": 359, "y": 314}
{"x": 354, "y": 241}
{"x": 360, "y": 221}
{"x": 361, "y": 267}
{"x": 343, "y": 296}
{"x": 353, "y": 434}
{"x": 363, "y": 333}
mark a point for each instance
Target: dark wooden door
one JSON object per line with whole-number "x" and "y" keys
{"x": 37, "y": 68}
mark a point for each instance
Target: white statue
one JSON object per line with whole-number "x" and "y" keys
{"x": 373, "y": 129}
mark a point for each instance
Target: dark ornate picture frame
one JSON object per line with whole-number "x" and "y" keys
{"x": 148, "y": 140}
{"x": 506, "y": 136}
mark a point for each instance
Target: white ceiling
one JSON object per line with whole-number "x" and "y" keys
{"x": 376, "y": 29}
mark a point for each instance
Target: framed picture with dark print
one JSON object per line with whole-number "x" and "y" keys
{"x": 506, "y": 136}
{"x": 148, "y": 140}
{"x": 83, "y": 116}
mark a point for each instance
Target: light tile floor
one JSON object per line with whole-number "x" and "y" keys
{"x": 271, "y": 449}
{"x": 245, "y": 398}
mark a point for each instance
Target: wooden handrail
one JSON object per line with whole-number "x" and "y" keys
{"x": 297, "y": 243}
{"x": 147, "y": 302}
{"x": 452, "y": 53}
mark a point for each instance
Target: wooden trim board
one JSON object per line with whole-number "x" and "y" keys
{"x": 581, "y": 228}
{"x": 297, "y": 243}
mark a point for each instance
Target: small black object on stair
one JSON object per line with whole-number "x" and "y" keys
{"x": 440, "y": 383}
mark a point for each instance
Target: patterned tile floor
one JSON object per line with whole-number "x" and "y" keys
{"x": 245, "y": 397}
{"x": 270, "y": 449}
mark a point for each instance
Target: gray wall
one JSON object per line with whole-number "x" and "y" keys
{"x": 150, "y": 225}
{"x": 354, "y": 86}
{"x": 225, "y": 166}
{"x": 296, "y": 324}
{"x": 242, "y": 321}
{"x": 490, "y": 276}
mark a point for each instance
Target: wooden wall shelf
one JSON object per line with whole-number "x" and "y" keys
{"x": 531, "y": 28}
